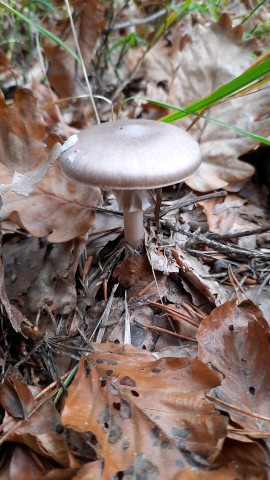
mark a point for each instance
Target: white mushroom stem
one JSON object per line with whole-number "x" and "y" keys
{"x": 133, "y": 227}
{"x": 132, "y": 203}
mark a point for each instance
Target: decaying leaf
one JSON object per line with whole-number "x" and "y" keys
{"x": 235, "y": 341}
{"x": 131, "y": 269}
{"x": 88, "y": 19}
{"x": 23, "y": 259}
{"x": 136, "y": 405}
{"x": 15, "y": 316}
{"x": 250, "y": 456}
{"x": 54, "y": 286}
{"x": 202, "y": 58}
{"x": 38, "y": 430}
{"x": 58, "y": 207}
{"x": 234, "y": 215}
{"x": 193, "y": 272}
{"x": 16, "y": 398}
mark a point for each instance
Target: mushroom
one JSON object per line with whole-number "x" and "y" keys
{"x": 129, "y": 157}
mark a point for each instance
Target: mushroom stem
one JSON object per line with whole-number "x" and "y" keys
{"x": 133, "y": 227}
{"x": 132, "y": 203}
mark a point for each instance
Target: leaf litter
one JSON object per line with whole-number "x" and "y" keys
{"x": 178, "y": 386}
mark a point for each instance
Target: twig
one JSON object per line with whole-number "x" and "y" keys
{"x": 260, "y": 289}
{"x": 127, "y": 334}
{"x": 243, "y": 233}
{"x": 180, "y": 204}
{"x": 236, "y": 285}
{"x": 104, "y": 317}
{"x": 237, "y": 409}
{"x": 138, "y": 21}
{"x": 228, "y": 249}
{"x": 173, "y": 313}
{"x": 249, "y": 433}
{"x": 167, "y": 332}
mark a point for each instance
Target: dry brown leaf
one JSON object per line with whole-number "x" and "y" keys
{"x": 15, "y": 316}
{"x": 57, "y": 207}
{"x": 25, "y": 464}
{"x": 61, "y": 71}
{"x": 233, "y": 215}
{"x": 202, "y": 58}
{"x": 235, "y": 341}
{"x": 54, "y": 286}
{"x": 16, "y": 398}
{"x": 141, "y": 337}
{"x": 193, "y": 273}
{"x": 145, "y": 413}
{"x": 131, "y": 269}
{"x": 89, "y": 19}
{"x": 223, "y": 217}
{"x": 48, "y": 103}
{"x": 37, "y": 430}
{"x": 23, "y": 258}
{"x": 251, "y": 456}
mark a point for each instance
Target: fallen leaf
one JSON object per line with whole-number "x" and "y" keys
{"x": 141, "y": 337}
{"x": 193, "y": 273}
{"x": 202, "y": 58}
{"x": 55, "y": 286}
{"x": 131, "y": 269}
{"x": 38, "y": 431}
{"x": 23, "y": 259}
{"x": 62, "y": 68}
{"x": 25, "y": 464}
{"x": 58, "y": 207}
{"x": 114, "y": 395}
{"x": 16, "y": 398}
{"x": 251, "y": 457}
{"x": 234, "y": 215}
{"x": 235, "y": 341}
{"x": 15, "y": 316}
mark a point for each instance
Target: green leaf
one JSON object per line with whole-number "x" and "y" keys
{"x": 246, "y": 78}
{"x": 40, "y": 29}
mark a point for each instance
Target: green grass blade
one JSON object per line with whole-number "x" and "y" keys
{"x": 186, "y": 112}
{"x": 40, "y": 29}
{"x": 246, "y": 78}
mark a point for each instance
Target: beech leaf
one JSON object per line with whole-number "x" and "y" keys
{"x": 234, "y": 340}
{"x": 57, "y": 207}
{"x": 203, "y": 57}
{"x": 146, "y": 414}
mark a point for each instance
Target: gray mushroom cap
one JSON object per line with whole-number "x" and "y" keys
{"x": 130, "y": 155}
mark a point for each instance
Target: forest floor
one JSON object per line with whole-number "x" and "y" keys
{"x": 115, "y": 363}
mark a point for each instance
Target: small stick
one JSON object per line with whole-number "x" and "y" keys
{"x": 104, "y": 317}
{"x": 260, "y": 289}
{"x": 237, "y": 409}
{"x": 236, "y": 285}
{"x": 243, "y": 233}
{"x": 228, "y": 249}
{"x": 138, "y": 21}
{"x": 173, "y": 313}
{"x": 167, "y": 332}
{"x": 180, "y": 204}
{"x": 127, "y": 334}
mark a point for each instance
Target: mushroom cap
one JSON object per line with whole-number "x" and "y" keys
{"x": 130, "y": 155}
